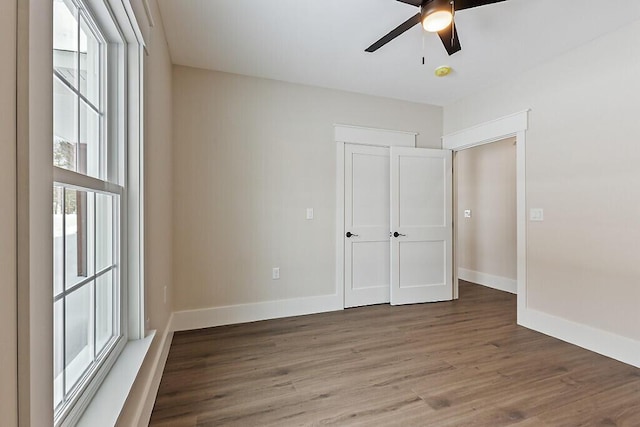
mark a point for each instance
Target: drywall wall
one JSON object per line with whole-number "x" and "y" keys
{"x": 250, "y": 156}
{"x": 8, "y": 280}
{"x": 485, "y": 178}
{"x": 582, "y": 156}
{"x": 157, "y": 219}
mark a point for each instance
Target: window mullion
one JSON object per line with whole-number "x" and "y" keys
{"x": 64, "y": 287}
{"x": 76, "y": 92}
{"x": 78, "y": 104}
{"x": 95, "y": 271}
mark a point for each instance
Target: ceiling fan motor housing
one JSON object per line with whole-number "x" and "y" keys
{"x": 436, "y": 15}
{"x": 430, "y": 6}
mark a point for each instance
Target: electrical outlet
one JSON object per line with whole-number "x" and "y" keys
{"x": 467, "y": 213}
{"x": 309, "y": 213}
{"x": 275, "y": 273}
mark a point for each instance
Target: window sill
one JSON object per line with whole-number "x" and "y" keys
{"x": 106, "y": 405}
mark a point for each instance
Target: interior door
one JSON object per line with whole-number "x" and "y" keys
{"x": 366, "y": 239}
{"x": 421, "y": 225}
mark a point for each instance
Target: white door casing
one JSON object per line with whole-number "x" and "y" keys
{"x": 366, "y": 216}
{"x": 513, "y": 125}
{"x": 422, "y": 225}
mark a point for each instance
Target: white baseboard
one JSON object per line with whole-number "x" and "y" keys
{"x": 143, "y": 413}
{"x": 243, "y": 313}
{"x": 602, "y": 342}
{"x": 496, "y": 282}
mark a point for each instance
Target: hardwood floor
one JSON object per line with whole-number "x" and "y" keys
{"x": 461, "y": 363}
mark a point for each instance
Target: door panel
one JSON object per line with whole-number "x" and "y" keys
{"x": 421, "y": 189}
{"x": 421, "y": 263}
{"x": 370, "y": 182}
{"x": 421, "y": 214}
{"x": 370, "y": 264}
{"x": 366, "y": 264}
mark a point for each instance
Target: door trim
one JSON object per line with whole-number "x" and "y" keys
{"x": 346, "y": 134}
{"x": 373, "y": 136}
{"x": 513, "y": 125}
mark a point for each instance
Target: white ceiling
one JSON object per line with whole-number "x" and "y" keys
{"x": 322, "y": 42}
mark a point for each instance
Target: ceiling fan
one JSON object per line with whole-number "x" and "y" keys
{"x": 435, "y": 16}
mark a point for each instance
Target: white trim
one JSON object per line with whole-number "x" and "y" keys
{"x": 106, "y": 405}
{"x": 71, "y": 179}
{"x": 243, "y": 313}
{"x": 147, "y": 11}
{"x": 487, "y": 132}
{"x": 508, "y": 126}
{"x": 372, "y": 136}
{"x": 339, "y": 285}
{"x": 606, "y": 343}
{"x": 123, "y": 12}
{"x": 489, "y": 280}
{"x": 134, "y": 200}
{"x": 521, "y": 220}
{"x": 145, "y": 405}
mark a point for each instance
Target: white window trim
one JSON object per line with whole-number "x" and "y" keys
{"x": 106, "y": 405}
{"x": 35, "y": 181}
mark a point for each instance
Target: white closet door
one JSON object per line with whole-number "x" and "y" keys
{"x": 366, "y": 239}
{"x": 421, "y": 223}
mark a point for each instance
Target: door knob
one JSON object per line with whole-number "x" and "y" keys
{"x": 349, "y": 234}
{"x": 396, "y": 234}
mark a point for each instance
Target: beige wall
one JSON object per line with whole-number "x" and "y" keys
{"x": 8, "y": 302}
{"x": 250, "y": 155}
{"x": 158, "y": 210}
{"x": 158, "y": 178}
{"x": 582, "y": 155}
{"x": 486, "y": 184}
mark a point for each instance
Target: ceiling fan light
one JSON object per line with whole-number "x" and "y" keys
{"x": 437, "y": 21}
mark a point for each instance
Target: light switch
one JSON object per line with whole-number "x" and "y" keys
{"x": 536, "y": 214}
{"x": 275, "y": 273}
{"x": 467, "y": 213}
{"x": 309, "y": 213}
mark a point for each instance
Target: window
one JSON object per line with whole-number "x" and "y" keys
{"x": 89, "y": 198}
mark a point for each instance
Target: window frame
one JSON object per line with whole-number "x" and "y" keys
{"x": 123, "y": 177}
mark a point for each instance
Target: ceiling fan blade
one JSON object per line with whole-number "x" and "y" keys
{"x": 416, "y": 19}
{"x": 416, "y": 3}
{"x": 445, "y": 36}
{"x": 468, "y": 4}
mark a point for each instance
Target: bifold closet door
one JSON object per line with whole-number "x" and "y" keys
{"x": 366, "y": 239}
{"x": 421, "y": 225}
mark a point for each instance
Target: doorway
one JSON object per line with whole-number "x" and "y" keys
{"x": 485, "y": 214}
{"x": 514, "y": 125}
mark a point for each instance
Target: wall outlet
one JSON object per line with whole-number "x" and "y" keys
{"x": 467, "y": 213}
{"x": 309, "y": 213}
{"x": 275, "y": 273}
